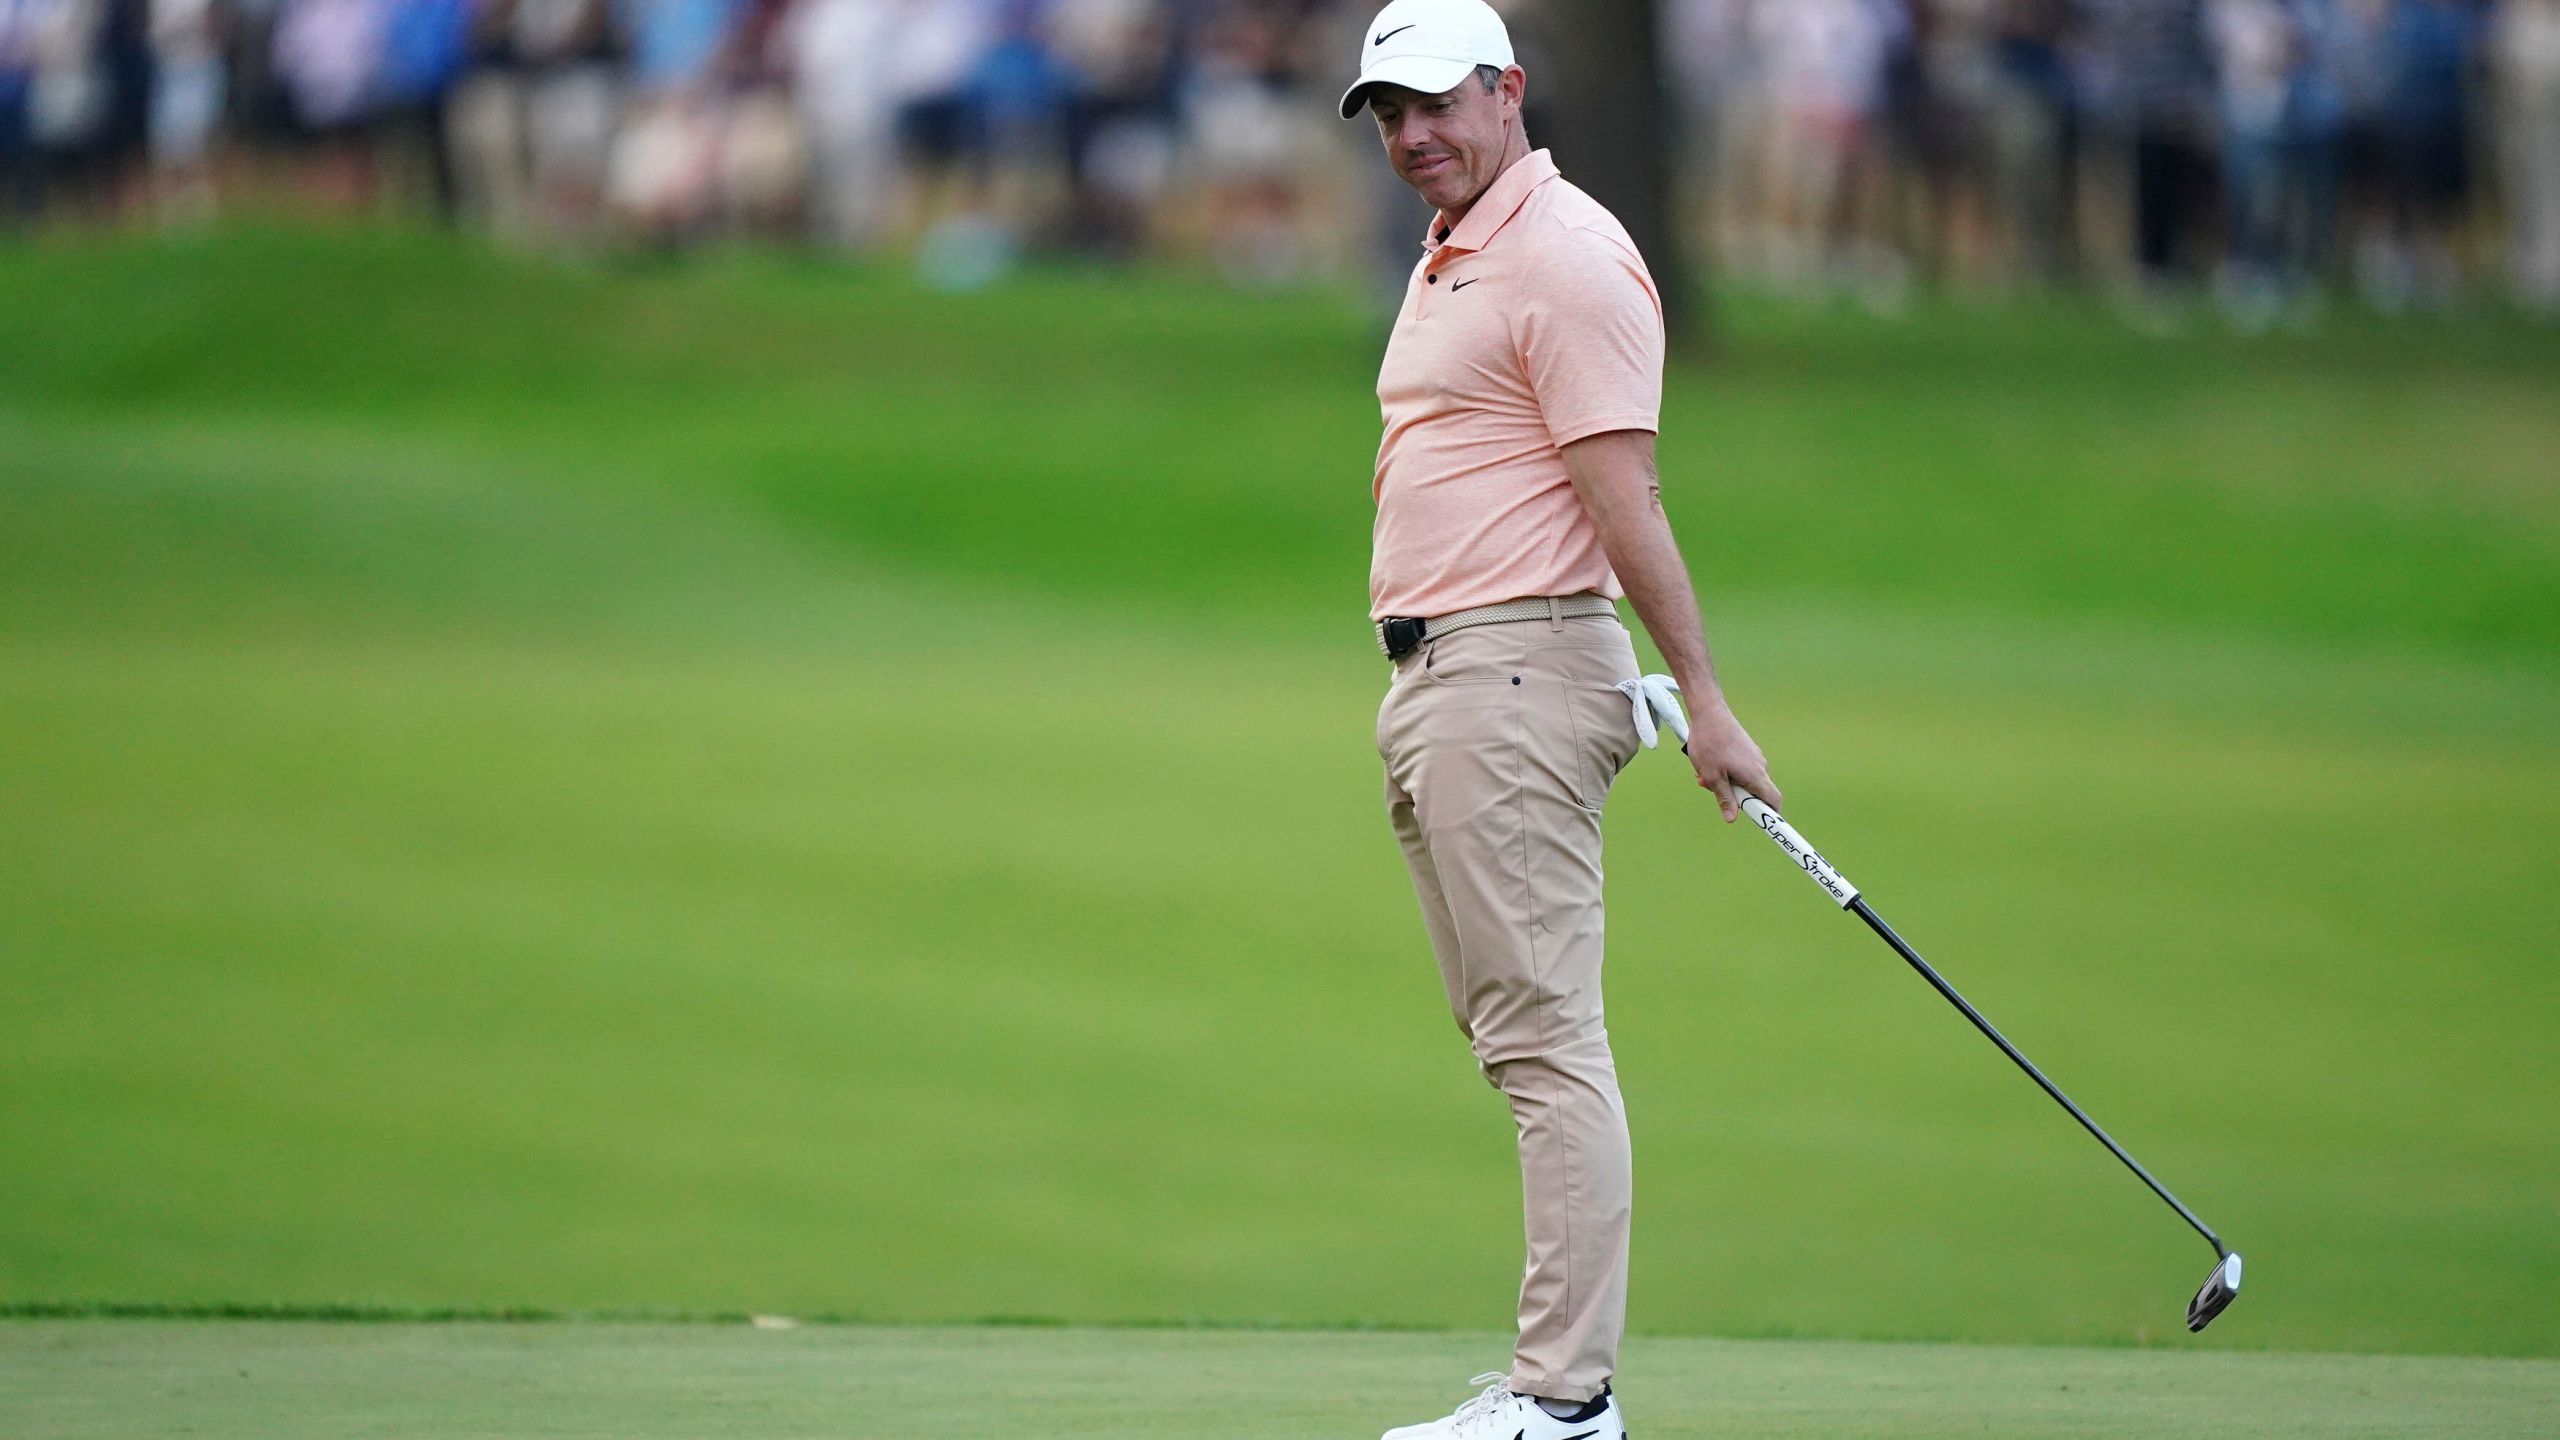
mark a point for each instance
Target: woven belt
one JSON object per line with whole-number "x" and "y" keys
{"x": 1399, "y": 636}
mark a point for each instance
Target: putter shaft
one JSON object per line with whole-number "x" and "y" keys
{"x": 1840, "y": 892}
{"x": 1903, "y": 948}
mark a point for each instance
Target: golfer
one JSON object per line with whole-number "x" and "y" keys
{"x": 1516, "y": 501}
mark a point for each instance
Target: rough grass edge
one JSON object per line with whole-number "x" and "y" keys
{"x": 361, "y": 1314}
{"x": 368, "y": 1314}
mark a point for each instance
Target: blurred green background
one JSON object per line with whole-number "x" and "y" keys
{"x": 754, "y": 786}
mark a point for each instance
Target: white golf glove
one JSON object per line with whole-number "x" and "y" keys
{"x": 1655, "y": 695}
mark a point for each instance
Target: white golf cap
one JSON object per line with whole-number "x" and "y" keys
{"x": 1428, "y": 46}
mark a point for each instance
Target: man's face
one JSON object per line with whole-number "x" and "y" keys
{"x": 1449, "y": 146}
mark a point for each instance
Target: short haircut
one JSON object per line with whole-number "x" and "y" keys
{"x": 1491, "y": 76}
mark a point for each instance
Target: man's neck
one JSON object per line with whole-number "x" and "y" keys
{"x": 1512, "y": 154}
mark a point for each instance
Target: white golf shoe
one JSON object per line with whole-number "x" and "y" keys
{"x": 1497, "y": 1414}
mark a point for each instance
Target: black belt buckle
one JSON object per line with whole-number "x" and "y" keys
{"x": 1399, "y": 637}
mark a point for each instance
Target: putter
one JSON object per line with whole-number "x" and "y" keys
{"x": 2224, "y": 1283}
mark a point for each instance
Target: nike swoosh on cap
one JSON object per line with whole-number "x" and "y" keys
{"x": 1382, "y": 39}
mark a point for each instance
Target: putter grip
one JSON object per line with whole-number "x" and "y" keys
{"x": 1784, "y": 836}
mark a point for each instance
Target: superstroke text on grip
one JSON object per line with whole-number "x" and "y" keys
{"x": 1807, "y": 859}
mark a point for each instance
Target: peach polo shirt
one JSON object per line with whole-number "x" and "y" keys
{"x": 1529, "y": 325}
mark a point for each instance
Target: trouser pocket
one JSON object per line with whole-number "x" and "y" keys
{"x": 1604, "y": 740}
{"x": 1596, "y": 723}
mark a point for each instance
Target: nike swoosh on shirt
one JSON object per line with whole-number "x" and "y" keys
{"x": 1381, "y": 40}
{"x": 1461, "y": 285}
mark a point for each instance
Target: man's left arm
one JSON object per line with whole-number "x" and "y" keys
{"x": 1614, "y": 475}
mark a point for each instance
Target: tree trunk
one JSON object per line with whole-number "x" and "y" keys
{"x": 1615, "y": 130}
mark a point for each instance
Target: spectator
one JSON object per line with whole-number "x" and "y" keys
{"x": 2315, "y": 131}
{"x": 2355, "y": 53}
{"x": 188, "y": 84}
{"x": 1249, "y": 115}
{"x": 2255, "y": 45}
{"x": 1020, "y": 90}
{"x": 425, "y": 45}
{"x": 2035, "y": 132}
{"x": 21, "y": 22}
{"x": 70, "y": 91}
{"x": 485, "y": 128}
{"x": 1824, "y": 62}
{"x": 837, "y": 55}
{"x": 328, "y": 54}
{"x": 1716, "y": 65}
{"x": 762, "y": 160}
{"x": 931, "y": 84}
{"x": 1957, "y": 72}
{"x": 2526, "y": 53}
{"x": 1120, "y": 119}
{"x": 258, "y": 114}
{"x": 2428, "y": 145}
{"x": 2159, "y": 85}
{"x": 569, "y": 51}
{"x": 663, "y": 168}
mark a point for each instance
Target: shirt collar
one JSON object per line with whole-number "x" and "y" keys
{"x": 1500, "y": 201}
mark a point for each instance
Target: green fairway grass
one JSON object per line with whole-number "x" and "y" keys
{"x": 755, "y": 788}
{"x": 660, "y": 1382}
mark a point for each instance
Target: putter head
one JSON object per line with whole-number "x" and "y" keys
{"x": 2220, "y": 1288}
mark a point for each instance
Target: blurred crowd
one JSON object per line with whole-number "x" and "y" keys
{"x": 2275, "y": 150}
{"x": 2266, "y": 152}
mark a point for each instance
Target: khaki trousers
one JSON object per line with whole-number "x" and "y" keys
{"x": 1500, "y": 743}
